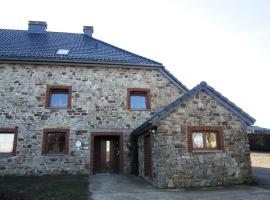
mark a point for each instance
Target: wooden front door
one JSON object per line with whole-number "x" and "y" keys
{"x": 106, "y": 154}
{"x": 147, "y": 156}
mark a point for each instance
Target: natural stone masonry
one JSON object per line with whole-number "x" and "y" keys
{"x": 174, "y": 166}
{"x": 99, "y": 103}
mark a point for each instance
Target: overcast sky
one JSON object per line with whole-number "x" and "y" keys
{"x": 223, "y": 42}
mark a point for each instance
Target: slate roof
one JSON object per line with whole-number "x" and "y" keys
{"x": 22, "y": 45}
{"x": 174, "y": 105}
{"x": 258, "y": 130}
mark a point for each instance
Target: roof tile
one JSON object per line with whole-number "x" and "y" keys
{"x": 203, "y": 86}
{"x": 22, "y": 45}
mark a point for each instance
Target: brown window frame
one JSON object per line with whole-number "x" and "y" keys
{"x": 144, "y": 91}
{"x": 204, "y": 129}
{"x": 15, "y": 132}
{"x": 45, "y": 140}
{"x": 54, "y": 88}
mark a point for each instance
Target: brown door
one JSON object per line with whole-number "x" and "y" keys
{"x": 147, "y": 156}
{"x": 106, "y": 154}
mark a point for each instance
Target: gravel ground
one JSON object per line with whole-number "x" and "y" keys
{"x": 260, "y": 159}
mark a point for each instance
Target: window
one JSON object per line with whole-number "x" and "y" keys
{"x": 8, "y": 141}
{"x": 204, "y": 138}
{"x": 58, "y": 96}
{"x": 55, "y": 141}
{"x": 139, "y": 99}
{"x": 62, "y": 51}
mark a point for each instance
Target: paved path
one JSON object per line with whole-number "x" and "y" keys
{"x": 121, "y": 187}
{"x": 261, "y": 176}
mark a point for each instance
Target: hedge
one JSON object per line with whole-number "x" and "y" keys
{"x": 259, "y": 142}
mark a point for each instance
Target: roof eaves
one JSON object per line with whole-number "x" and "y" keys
{"x": 181, "y": 87}
{"x": 159, "y": 115}
{"x": 202, "y": 86}
{"x": 174, "y": 80}
{"x": 69, "y": 61}
{"x": 142, "y": 128}
{"x": 229, "y": 105}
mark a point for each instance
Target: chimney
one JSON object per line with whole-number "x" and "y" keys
{"x": 88, "y": 30}
{"x": 37, "y": 27}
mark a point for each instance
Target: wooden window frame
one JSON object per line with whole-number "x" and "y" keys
{"x": 51, "y": 89}
{"x": 143, "y": 91}
{"x": 204, "y": 129}
{"x": 15, "y": 132}
{"x": 45, "y": 140}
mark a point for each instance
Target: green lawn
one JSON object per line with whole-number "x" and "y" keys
{"x": 44, "y": 188}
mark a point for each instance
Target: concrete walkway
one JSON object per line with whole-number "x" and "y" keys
{"x": 262, "y": 176}
{"x": 122, "y": 187}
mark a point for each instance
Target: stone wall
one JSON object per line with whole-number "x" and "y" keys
{"x": 99, "y": 103}
{"x": 174, "y": 166}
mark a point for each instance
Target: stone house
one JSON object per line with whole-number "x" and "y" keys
{"x": 198, "y": 140}
{"x": 72, "y": 104}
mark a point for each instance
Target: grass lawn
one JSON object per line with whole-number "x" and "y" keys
{"x": 44, "y": 188}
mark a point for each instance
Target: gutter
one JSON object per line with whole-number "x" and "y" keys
{"x": 86, "y": 63}
{"x": 73, "y": 62}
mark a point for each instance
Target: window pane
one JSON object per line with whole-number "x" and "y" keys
{"x": 53, "y": 148}
{"x": 56, "y": 142}
{"x": 6, "y": 142}
{"x": 211, "y": 140}
{"x": 52, "y": 137}
{"x": 197, "y": 139}
{"x": 56, "y": 147}
{"x": 62, "y": 147}
{"x": 59, "y": 100}
{"x": 138, "y": 102}
{"x": 60, "y": 137}
{"x": 108, "y": 151}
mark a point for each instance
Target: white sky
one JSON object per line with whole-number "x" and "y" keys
{"x": 223, "y": 42}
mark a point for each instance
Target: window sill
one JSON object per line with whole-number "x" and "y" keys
{"x": 7, "y": 154}
{"x": 58, "y": 108}
{"x": 207, "y": 151}
{"x": 55, "y": 154}
{"x": 137, "y": 109}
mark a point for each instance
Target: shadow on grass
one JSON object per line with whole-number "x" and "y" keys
{"x": 44, "y": 188}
